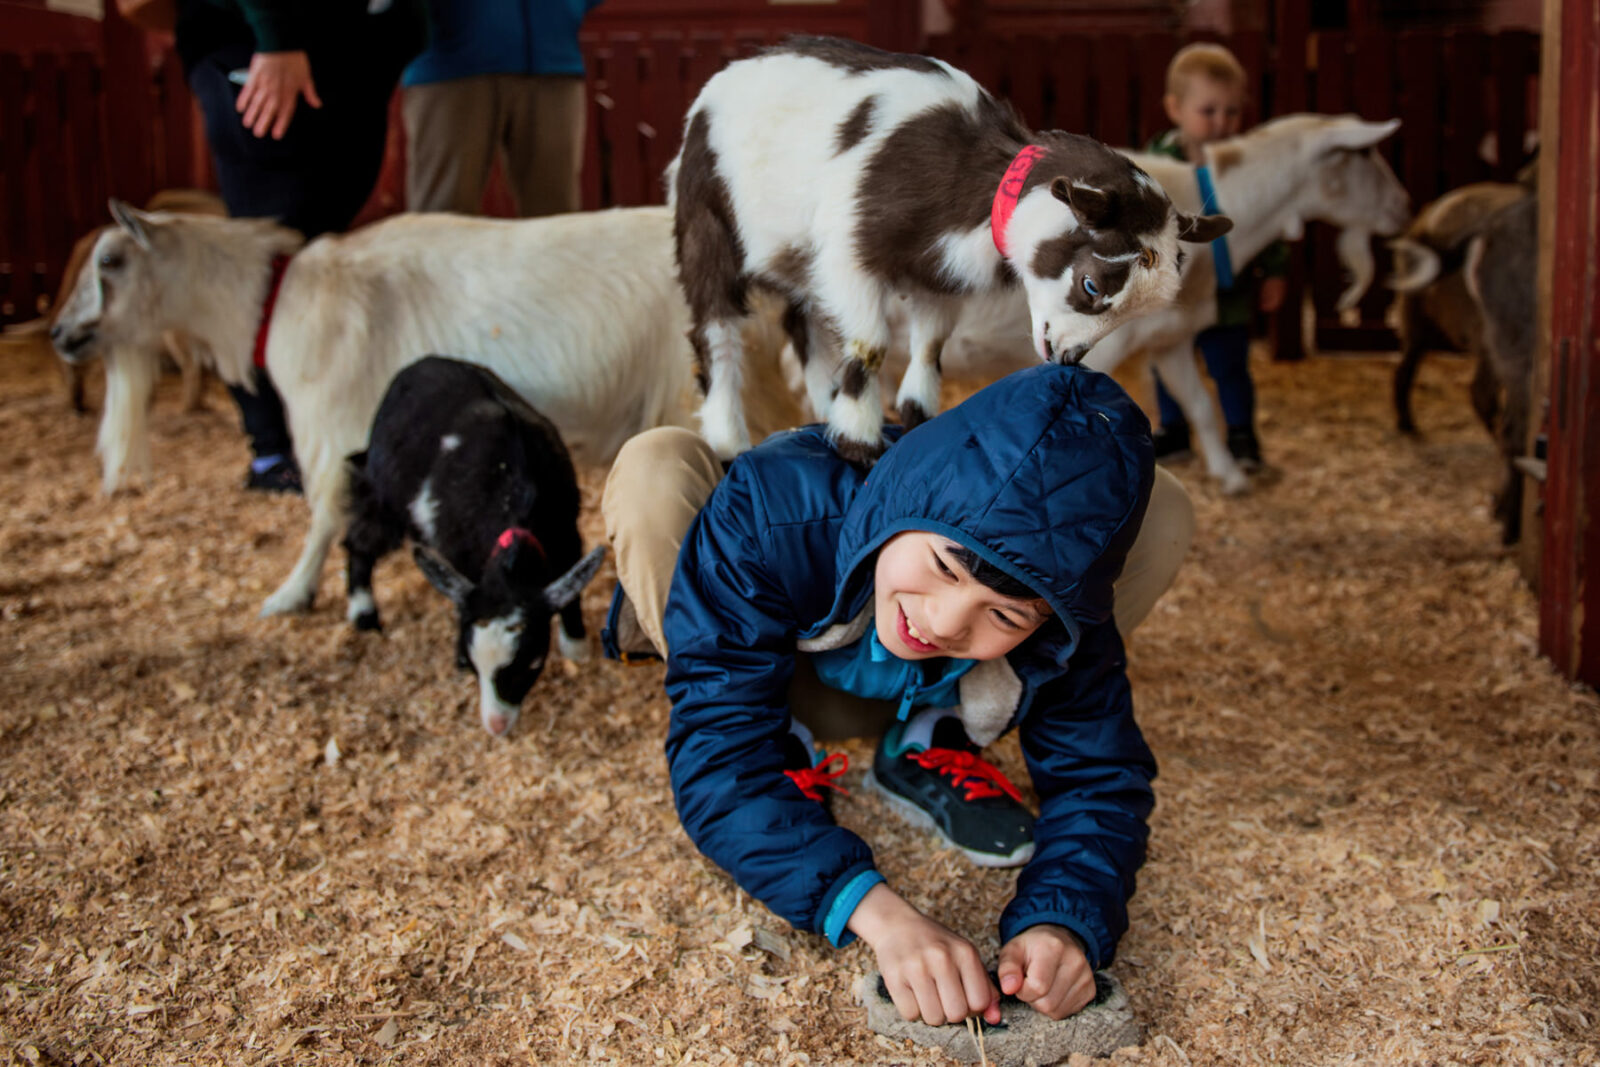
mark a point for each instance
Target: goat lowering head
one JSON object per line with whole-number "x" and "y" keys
{"x": 504, "y": 620}
{"x": 135, "y": 280}
{"x": 111, "y": 286}
{"x": 1094, "y": 241}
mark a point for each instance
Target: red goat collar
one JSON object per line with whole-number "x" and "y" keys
{"x": 511, "y": 535}
{"x": 1009, "y": 191}
{"x": 280, "y": 263}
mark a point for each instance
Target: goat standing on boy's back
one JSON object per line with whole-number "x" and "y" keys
{"x": 841, "y": 175}
{"x": 483, "y": 486}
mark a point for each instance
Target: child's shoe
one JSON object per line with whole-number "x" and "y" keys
{"x": 1244, "y": 447}
{"x": 274, "y": 474}
{"x": 1172, "y": 443}
{"x": 946, "y": 786}
{"x": 622, "y": 638}
{"x": 816, "y": 773}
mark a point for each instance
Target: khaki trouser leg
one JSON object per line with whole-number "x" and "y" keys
{"x": 659, "y": 482}
{"x": 663, "y": 477}
{"x": 544, "y": 141}
{"x": 452, "y": 128}
{"x": 1157, "y": 552}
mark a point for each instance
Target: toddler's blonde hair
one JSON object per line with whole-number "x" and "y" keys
{"x": 1206, "y": 60}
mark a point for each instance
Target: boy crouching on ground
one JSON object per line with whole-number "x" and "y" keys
{"x": 963, "y": 587}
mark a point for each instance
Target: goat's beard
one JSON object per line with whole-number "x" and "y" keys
{"x": 1354, "y": 248}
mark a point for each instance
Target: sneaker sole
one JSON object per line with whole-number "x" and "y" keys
{"x": 917, "y": 817}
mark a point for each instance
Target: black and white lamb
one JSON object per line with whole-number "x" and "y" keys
{"x": 483, "y": 486}
{"x": 843, "y": 177}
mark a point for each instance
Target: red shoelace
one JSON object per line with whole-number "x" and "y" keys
{"x": 982, "y": 779}
{"x": 823, "y": 776}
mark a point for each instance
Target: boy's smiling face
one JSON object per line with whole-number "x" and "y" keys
{"x": 926, "y": 604}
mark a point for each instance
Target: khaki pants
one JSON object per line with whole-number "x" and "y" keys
{"x": 662, "y": 478}
{"x": 454, "y": 128}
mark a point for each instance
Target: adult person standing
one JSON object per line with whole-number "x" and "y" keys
{"x": 296, "y": 107}
{"x": 498, "y": 77}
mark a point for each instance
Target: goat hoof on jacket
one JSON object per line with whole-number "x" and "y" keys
{"x": 912, "y": 415}
{"x": 861, "y": 453}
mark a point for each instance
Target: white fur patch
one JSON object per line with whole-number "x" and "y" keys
{"x": 722, "y": 421}
{"x": 361, "y": 603}
{"x": 990, "y": 693}
{"x": 858, "y": 418}
{"x": 449, "y": 442}
{"x": 425, "y": 511}
{"x": 492, "y": 645}
{"x": 969, "y": 258}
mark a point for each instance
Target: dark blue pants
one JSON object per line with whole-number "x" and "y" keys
{"x": 1226, "y": 350}
{"x": 315, "y": 180}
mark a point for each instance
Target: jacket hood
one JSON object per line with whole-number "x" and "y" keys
{"x": 1045, "y": 474}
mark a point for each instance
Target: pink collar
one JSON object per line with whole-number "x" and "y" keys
{"x": 1010, "y": 189}
{"x": 280, "y": 263}
{"x": 511, "y": 535}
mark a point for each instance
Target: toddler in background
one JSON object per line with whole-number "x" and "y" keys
{"x": 1204, "y": 98}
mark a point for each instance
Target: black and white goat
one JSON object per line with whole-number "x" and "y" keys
{"x": 843, "y": 176}
{"x": 483, "y": 487}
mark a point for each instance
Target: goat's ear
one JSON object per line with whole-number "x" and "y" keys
{"x": 1350, "y": 132}
{"x": 133, "y": 221}
{"x": 441, "y": 575}
{"x": 1202, "y": 229}
{"x": 1093, "y": 207}
{"x": 565, "y": 589}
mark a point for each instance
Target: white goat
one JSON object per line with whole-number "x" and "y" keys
{"x": 1270, "y": 182}
{"x": 581, "y": 314}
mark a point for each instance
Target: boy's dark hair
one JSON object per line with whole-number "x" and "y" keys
{"x": 987, "y": 573}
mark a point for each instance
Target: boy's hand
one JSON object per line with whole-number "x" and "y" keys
{"x": 931, "y": 973}
{"x": 1272, "y": 294}
{"x": 1044, "y": 966}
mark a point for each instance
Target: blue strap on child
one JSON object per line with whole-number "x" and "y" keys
{"x": 1219, "y": 247}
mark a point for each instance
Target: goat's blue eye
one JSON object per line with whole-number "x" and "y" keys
{"x": 1089, "y": 286}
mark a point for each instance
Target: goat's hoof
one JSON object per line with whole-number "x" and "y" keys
{"x": 912, "y": 414}
{"x": 368, "y": 621}
{"x": 286, "y": 602}
{"x": 573, "y": 649}
{"x": 861, "y": 453}
{"x": 1234, "y": 482}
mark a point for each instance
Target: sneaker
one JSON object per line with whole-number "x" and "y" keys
{"x": 282, "y": 475}
{"x": 1172, "y": 443}
{"x": 947, "y": 787}
{"x": 1246, "y": 450}
{"x": 814, "y": 772}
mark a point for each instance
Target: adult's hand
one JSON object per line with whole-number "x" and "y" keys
{"x": 272, "y": 91}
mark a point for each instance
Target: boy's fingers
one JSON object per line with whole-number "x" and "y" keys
{"x": 311, "y": 93}
{"x": 929, "y": 1009}
{"x": 905, "y": 1001}
{"x": 1010, "y": 970}
{"x": 981, "y": 994}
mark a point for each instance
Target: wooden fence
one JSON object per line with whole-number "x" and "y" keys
{"x": 1459, "y": 94}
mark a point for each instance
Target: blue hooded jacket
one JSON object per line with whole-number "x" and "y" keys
{"x": 1045, "y": 474}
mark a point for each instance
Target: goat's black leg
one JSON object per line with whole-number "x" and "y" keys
{"x": 573, "y": 638}
{"x": 368, "y": 540}
{"x": 1405, "y": 375}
